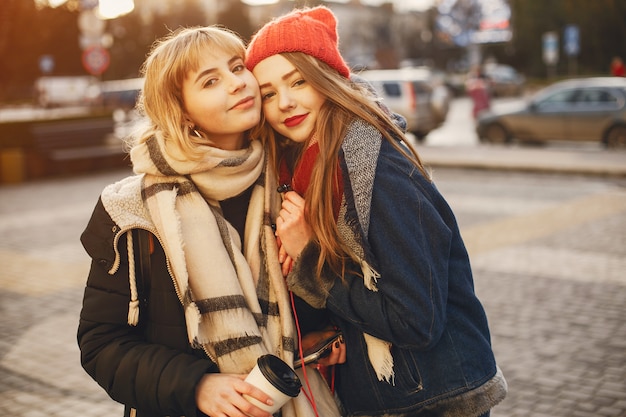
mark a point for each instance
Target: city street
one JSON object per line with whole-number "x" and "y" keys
{"x": 516, "y": 108}
{"x": 548, "y": 252}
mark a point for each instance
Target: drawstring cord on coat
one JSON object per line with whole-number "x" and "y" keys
{"x": 133, "y": 305}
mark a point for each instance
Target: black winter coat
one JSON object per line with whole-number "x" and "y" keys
{"x": 150, "y": 367}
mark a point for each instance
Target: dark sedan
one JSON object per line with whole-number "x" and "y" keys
{"x": 585, "y": 109}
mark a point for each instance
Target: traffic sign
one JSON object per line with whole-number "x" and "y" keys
{"x": 550, "y": 48}
{"x": 96, "y": 59}
{"x": 571, "y": 40}
{"x": 46, "y": 63}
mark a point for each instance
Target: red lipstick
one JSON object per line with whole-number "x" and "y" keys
{"x": 295, "y": 120}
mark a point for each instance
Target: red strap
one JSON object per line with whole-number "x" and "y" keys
{"x": 310, "y": 398}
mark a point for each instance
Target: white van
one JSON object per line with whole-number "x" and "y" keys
{"x": 56, "y": 91}
{"x": 409, "y": 92}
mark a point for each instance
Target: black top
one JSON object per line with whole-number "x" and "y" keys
{"x": 235, "y": 210}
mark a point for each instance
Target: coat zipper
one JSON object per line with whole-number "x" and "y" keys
{"x": 167, "y": 264}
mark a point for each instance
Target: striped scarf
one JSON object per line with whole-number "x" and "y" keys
{"x": 233, "y": 293}
{"x": 236, "y": 304}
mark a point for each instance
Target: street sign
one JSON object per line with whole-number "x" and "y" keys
{"x": 96, "y": 59}
{"x": 46, "y": 63}
{"x": 550, "y": 48}
{"x": 571, "y": 40}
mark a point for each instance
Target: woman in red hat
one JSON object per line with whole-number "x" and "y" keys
{"x": 366, "y": 235}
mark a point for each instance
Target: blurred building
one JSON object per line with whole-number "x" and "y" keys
{"x": 369, "y": 36}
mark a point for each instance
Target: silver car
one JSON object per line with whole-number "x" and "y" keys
{"x": 584, "y": 109}
{"x": 413, "y": 93}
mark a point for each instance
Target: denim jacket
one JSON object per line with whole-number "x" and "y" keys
{"x": 425, "y": 305}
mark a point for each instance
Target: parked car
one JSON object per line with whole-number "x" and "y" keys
{"x": 442, "y": 95}
{"x": 504, "y": 80}
{"x": 413, "y": 93}
{"x": 584, "y": 109}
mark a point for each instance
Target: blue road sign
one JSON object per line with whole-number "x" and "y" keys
{"x": 571, "y": 40}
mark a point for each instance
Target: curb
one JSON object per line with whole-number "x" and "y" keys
{"x": 595, "y": 162}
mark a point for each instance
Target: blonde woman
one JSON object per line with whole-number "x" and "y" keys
{"x": 179, "y": 340}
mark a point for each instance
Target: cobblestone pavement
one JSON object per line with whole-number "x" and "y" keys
{"x": 548, "y": 251}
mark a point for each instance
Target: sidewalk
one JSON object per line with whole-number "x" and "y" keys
{"x": 548, "y": 260}
{"x": 582, "y": 159}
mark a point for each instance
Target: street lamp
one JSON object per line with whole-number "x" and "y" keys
{"x": 93, "y": 39}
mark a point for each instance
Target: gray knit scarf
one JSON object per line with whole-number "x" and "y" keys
{"x": 360, "y": 149}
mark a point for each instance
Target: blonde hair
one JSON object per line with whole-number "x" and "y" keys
{"x": 170, "y": 60}
{"x": 345, "y": 101}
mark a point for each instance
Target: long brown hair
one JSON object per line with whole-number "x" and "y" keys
{"x": 345, "y": 101}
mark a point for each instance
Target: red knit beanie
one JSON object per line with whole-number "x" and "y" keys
{"x": 312, "y": 31}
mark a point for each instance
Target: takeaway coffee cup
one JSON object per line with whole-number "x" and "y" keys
{"x": 275, "y": 378}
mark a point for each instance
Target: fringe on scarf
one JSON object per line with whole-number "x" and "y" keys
{"x": 192, "y": 319}
{"x": 379, "y": 353}
{"x": 370, "y": 276}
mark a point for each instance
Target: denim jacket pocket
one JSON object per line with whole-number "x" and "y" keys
{"x": 407, "y": 372}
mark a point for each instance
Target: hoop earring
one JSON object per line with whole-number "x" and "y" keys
{"x": 191, "y": 128}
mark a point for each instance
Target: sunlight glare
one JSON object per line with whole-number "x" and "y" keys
{"x": 110, "y": 9}
{"x": 56, "y": 3}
